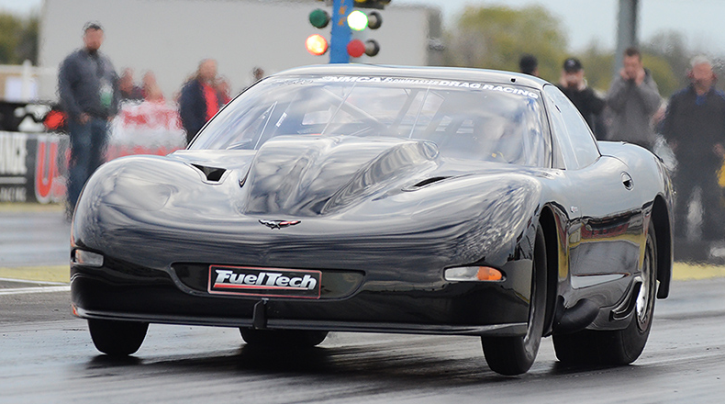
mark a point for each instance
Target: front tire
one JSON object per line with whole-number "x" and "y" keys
{"x": 619, "y": 347}
{"x": 282, "y": 338}
{"x": 515, "y": 355}
{"x": 117, "y": 338}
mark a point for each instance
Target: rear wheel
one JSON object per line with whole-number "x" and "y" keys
{"x": 282, "y": 338}
{"x": 515, "y": 355}
{"x": 117, "y": 338}
{"x": 619, "y": 347}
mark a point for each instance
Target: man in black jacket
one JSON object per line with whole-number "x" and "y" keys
{"x": 574, "y": 86}
{"x": 199, "y": 100}
{"x": 694, "y": 127}
{"x": 89, "y": 94}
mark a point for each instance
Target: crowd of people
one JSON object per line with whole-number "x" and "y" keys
{"x": 691, "y": 122}
{"x": 202, "y": 95}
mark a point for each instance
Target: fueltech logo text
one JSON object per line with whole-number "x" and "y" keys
{"x": 271, "y": 279}
{"x": 272, "y": 282}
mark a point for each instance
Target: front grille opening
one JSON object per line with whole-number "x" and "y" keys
{"x": 212, "y": 174}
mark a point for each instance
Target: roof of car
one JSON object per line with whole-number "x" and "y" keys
{"x": 428, "y": 72}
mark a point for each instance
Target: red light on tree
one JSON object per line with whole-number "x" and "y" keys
{"x": 356, "y": 48}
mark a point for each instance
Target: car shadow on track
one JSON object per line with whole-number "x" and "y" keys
{"x": 389, "y": 368}
{"x": 339, "y": 363}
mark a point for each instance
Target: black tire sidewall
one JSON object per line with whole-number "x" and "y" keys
{"x": 516, "y": 355}
{"x": 117, "y": 338}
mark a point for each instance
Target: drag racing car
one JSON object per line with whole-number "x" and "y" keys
{"x": 356, "y": 198}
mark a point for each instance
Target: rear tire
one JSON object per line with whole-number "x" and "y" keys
{"x": 117, "y": 338}
{"x": 619, "y": 347}
{"x": 282, "y": 338}
{"x": 515, "y": 355}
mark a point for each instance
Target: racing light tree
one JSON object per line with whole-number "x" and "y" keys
{"x": 347, "y": 25}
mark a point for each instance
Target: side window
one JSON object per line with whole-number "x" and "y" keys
{"x": 575, "y": 139}
{"x": 558, "y": 127}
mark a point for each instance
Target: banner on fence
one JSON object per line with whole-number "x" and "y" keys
{"x": 34, "y": 166}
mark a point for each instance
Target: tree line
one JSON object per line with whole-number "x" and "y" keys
{"x": 18, "y": 38}
{"x": 495, "y": 37}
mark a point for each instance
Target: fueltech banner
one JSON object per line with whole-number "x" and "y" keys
{"x": 34, "y": 166}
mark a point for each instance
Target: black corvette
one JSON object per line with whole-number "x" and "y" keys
{"x": 384, "y": 199}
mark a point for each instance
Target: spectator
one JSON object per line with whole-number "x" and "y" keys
{"x": 151, "y": 90}
{"x": 694, "y": 127}
{"x": 198, "y": 101}
{"x": 258, "y": 73}
{"x": 633, "y": 99}
{"x": 223, "y": 90}
{"x": 88, "y": 91}
{"x": 574, "y": 86}
{"x": 129, "y": 90}
{"x": 529, "y": 65}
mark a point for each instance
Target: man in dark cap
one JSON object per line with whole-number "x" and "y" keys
{"x": 529, "y": 65}
{"x": 89, "y": 94}
{"x": 574, "y": 86}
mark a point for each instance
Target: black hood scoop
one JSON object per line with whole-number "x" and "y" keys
{"x": 309, "y": 176}
{"x": 212, "y": 174}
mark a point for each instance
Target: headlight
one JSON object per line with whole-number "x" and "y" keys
{"x": 87, "y": 258}
{"x": 476, "y": 274}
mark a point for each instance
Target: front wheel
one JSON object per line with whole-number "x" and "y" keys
{"x": 282, "y": 338}
{"x": 117, "y": 338}
{"x": 515, "y": 355}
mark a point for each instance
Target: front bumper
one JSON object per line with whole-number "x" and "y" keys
{"x": 124, "y": 291}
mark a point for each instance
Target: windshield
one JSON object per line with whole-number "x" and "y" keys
{"x": 465, "y": 120}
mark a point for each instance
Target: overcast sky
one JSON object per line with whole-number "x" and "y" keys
{"x": 584, "y": 21}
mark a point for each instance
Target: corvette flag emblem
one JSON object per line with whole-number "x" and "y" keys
{"x": 279, "y": 224}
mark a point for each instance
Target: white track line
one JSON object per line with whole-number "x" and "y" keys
{"x": 32, "y": 282}
{"x": 41, "y": 289}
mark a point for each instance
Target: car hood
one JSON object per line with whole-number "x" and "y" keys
{"x": 385, "y": 191}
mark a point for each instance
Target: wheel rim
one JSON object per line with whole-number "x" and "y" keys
{"x": 644, "y": 298}
{"x": 532, "y": 339}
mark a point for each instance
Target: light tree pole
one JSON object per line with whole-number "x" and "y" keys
{"x": 626, "y": 29}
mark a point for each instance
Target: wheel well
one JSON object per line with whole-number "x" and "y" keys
{"x": 548, "y": 225}
{"x": 661, "y": 221}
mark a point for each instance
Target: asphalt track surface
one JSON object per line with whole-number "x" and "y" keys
{"x": 46, "y": 355}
